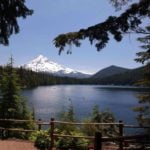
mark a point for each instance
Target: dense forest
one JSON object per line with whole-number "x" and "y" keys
{"x": 130, "y": 77}
{"x": 28, "y": 78}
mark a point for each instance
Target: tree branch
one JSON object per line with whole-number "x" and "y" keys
{"x": 117, "y": 26}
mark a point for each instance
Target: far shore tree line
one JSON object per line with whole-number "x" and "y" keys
{"x": 29, "y": 78}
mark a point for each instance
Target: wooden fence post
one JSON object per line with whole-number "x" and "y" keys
{"x": 2, "y": 133}
{"x": 98, "y": 141}
{"x": 39, "y": 125}
{"x": 52, "y": 133}
{"x": 121, "y": 134}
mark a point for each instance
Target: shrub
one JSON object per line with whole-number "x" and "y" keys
{"x": 41, "y": 139}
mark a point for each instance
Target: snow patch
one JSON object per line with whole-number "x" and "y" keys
{"x": 43, "y": 64}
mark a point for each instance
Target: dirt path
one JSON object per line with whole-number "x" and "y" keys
{"x": 26, "y": 145}
{"x": 16, "y": 145}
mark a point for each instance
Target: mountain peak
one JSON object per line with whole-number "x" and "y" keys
{"x": 40, "y": 58}
{"x": 43, "y": 64}
{"x": 114, "y": 66}
{"x": 109, "y": 71}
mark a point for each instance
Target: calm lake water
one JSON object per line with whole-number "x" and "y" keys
{"x": 48, "y": 101}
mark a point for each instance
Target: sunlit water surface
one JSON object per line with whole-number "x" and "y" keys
{"x": 49, "y": 101}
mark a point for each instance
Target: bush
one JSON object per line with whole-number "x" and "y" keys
{"x": 66, "y": 143}
{"x": 41, "y": 139}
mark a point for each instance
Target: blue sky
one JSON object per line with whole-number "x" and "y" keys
{"x": 53, "y": 17}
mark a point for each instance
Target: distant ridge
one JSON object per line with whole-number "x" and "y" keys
{"x": 122, "y": 77}
{"x": 109, "y": 71}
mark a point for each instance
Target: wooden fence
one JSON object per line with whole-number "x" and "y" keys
{"x": 98, "y": 138}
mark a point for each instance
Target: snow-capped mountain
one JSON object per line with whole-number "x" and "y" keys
{"x": 43, "y": 64}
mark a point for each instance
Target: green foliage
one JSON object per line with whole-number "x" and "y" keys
{"x": 28, "y": 78}
{"x": 65, "y": 129}
{"x": 67, "y": 115}
{"x": 86, "y": 130}
{"x": 10, "y": 10}
{"x": 72, "y": 143}
{"x": 41, "y": 139}
{"x": 118, "y": 4}
{"x": 100, "y": 117}
{"x": 144, "y": 99}
{"x": 100, "y": 33}
{"x": 130, "y": 77}
{"x": 12, "y": 104}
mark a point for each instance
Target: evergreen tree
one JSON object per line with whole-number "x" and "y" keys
{"x": 68, "y": 142}
{"x": 98, "y": 116}
{"x": 128, "y": 22}
{"x": 69, "y": 116}
{"x": 10, "y": 11}
{"x": 12, "y": 104}
{"x": 144, "y": 99}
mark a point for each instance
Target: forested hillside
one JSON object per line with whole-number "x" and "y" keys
{"x": 29, "y": 78}
{"x": 109, "y": 71}
{"x": 129, "y": 77}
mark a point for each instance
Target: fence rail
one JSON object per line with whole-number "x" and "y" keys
{"x": 17, "y": 129}
{"x": 98, "y": 139}
{"x": 81, "y": 123}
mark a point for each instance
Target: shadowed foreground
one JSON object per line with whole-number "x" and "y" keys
{"x": 16, "y": 145}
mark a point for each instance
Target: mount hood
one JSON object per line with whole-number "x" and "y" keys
{"x": 43, "y": 64}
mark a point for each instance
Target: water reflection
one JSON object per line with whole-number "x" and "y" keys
{"x": 50, "y": 100}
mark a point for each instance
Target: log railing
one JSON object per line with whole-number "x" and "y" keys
{"x": 98, "y": 138}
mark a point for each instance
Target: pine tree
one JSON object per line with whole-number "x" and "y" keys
{"x": 12, "y": 104}
{"x": 10, "y": 11}
{"x": 130, "y": 21}
{"x": 144, "y": 99}
{"x": 98, "y": 116}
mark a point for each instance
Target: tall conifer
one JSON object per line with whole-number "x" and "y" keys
{"x": 144, "y": 99}
{"x": 12, "y": 104}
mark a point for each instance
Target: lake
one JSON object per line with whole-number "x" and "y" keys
{"x": 48, "y": 101}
